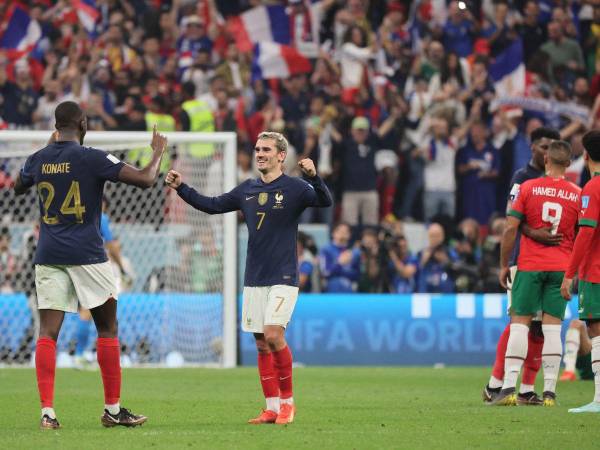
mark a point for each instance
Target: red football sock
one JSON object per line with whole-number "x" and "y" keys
{"x": 45, "y": 368}
{"x": 110, "y": 366}
{"x": 498, "y": 370}
{"x": 533, "y": 361}
{"x": 283, "y": 368}
{"x": 268, "y": 376}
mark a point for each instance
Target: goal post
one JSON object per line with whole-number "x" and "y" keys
{"x": 183, "y": 261}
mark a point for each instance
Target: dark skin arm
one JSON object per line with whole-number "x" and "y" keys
{"x": 147, "y": 176}
{"x": 506, "y": 247}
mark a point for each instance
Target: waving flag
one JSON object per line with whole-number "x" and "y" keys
{"x": 87, "y": 13}
{"x": 260, "y": 24}
{"x": 273, "y": 60}
{"x": 508, "y": 70}
{"x": 21, "y": 33}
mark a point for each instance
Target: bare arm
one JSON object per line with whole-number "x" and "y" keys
{"x": 147, "y": 176}
{"x": 506, "y": 247}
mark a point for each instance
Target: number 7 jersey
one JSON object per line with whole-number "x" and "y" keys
{"x": 547, "y": 202}
{"x": 70, "y": 181}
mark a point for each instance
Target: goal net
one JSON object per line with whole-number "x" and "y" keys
{"x": 177, "y": 303}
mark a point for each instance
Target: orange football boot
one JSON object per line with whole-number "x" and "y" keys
{"x": 286, "y": 414}
{"x": 266, "y": 416}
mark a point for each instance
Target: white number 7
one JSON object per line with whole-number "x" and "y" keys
{"x": 554, "y": 219}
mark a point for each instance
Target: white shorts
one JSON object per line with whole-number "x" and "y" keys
{"x": 60, "y": 287}
{"x": 267, "y": 305}
{"x": 513, "y": 274}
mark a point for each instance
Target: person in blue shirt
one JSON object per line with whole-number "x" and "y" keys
{"x": 305, "y": 267}
{"x": 435, "y": 272}
{"x": 478, "y": 167}
{"x": 340, "y": 264}
{"x": 402, "y": 267}
{"x": 71, "y": 265}
{"x": 459, "y": 30}
{"x": 272, "y": 205}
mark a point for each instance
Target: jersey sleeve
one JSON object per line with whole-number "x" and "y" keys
{"x": 590, "y": 206}
{"x": 103, "y": 165}
{"x": 517, "y": 208}
{"x": 230, "y": 201}
{"x": 316, "y": 193}
{"x": 27, "y": 175}
{"x": 105, "y": 230}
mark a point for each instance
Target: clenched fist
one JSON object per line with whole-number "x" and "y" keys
{"x": 308, "y": 167}
{"x": 173, "y": 179}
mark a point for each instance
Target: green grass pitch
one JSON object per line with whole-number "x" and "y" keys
{"x": 338, "y": 408}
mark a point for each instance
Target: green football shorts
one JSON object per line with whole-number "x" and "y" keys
{"x": 589, "y": 300}
{"x": 534, "y": 291}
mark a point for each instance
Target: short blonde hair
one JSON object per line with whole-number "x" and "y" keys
{"x": 281, "y": 143}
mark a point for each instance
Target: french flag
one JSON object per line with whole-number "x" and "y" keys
{"x": 272, "y": 60}
{"x": 87, "y": 13}
{"x": 260, "y": 24}
{"x": 21, "y": 34}
{"x": 508, "y": 70}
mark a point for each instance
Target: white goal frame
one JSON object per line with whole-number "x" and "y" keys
{"x": 101, "y": 138}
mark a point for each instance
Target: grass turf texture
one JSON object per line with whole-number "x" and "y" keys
{"x": 345, "y": 408}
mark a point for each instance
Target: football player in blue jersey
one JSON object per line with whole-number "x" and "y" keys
{"x": 272, "y": 205}
{"x": 71, "y": 266}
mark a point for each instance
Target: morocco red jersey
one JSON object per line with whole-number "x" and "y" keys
{"x": 547, "y": 202}
{"x": 589, "y": 269}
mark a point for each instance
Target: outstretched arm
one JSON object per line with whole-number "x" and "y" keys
{"x": 147, "y": 176}
{"x": 211, "y": 205}
{"x": 319, "y": 195}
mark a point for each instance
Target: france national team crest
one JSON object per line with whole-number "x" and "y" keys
{"x": 263, "y": 198}
{"x": 278, "y": 200}
{"x": 585, "y": 201}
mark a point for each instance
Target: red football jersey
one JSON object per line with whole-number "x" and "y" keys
{"x": 589, "y": 269}
{"x": 547, "y": 202}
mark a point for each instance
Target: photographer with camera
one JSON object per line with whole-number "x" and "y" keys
{"x": 402, "y": 265}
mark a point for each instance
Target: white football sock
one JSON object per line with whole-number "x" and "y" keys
{"x": 551, "y": 355}
{"x": 516, "y": 351}
{"x": 49, "y": 412}
{"x": 596, "y": 366}
{"x": 524, "y": 388}
{"x": 495, "y": 383}
{"x": 572, "y": 341}
{"x": 273, "y": 404}
{"x": 289, "y": 401}
{"x": 113, "y": 409}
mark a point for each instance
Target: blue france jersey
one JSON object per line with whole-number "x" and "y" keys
{"x": 272, "y": 211}
{"x": 70, "y": 179}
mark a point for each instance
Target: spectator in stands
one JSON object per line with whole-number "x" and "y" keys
{"x": 402, "y": 266}
{"x": 234, "y": 70}
{"x": 532, "y": 33}
{"x": 468, "y": 255}
{"x": 340, "y": 264}
{"x": 478, "y": 168}
{"x": 373, "y": 263}
{"x": 43, "y": 116}
{"x": 459, "y": 30}
{"x": 200, "y": 73}
{"x": 360, "y": 200}
{"x": 134, "y": 116}
{"x": 435, "y": 261}
{"x": 19, "y": 98}
{"x": 490, "y": 257}
{"x": 8, "y": 266}
{"x": 306, "y": 267}
{"x": 564, "y": 53}
{"x": 194, "y": 37}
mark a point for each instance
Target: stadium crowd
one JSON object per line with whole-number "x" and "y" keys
{"x": 402, "y": 110}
